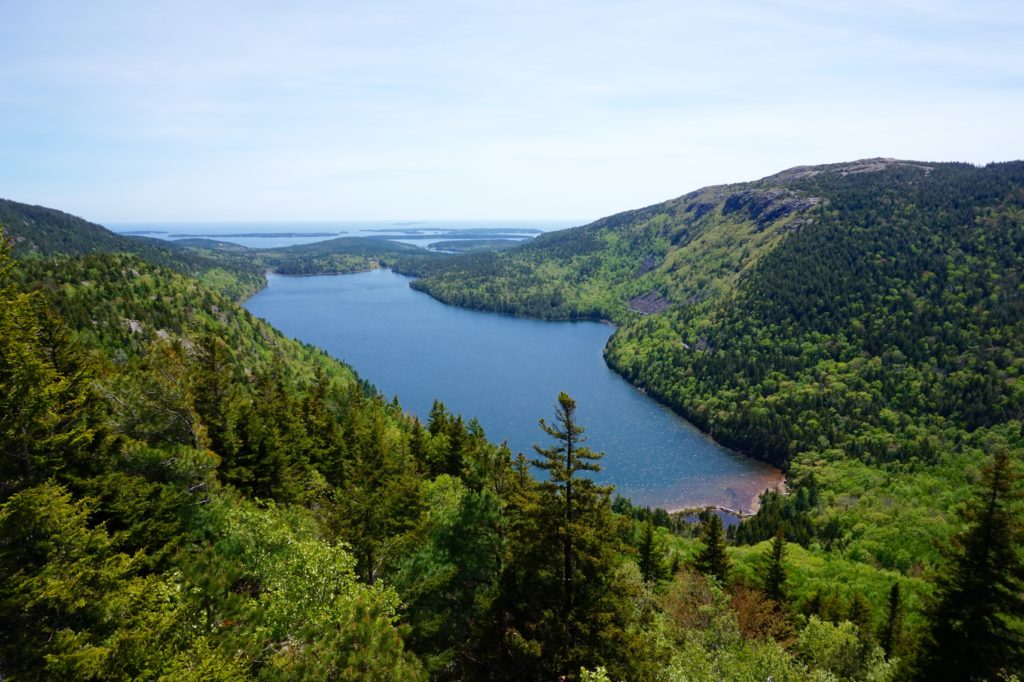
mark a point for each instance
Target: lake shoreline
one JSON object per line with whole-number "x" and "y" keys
{"x": 752, "y": 508}
{"x": 735, "y": 487}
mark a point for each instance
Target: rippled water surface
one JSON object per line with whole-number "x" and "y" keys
{"x": 506, "y": 372}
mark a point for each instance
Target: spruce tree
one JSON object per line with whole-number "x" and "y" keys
{"x": 892, "y": 628}
{"x": 775, "y": 571}
{"x": 652, "y": 554}
{"x": 711, "y": 559}
{"x": 563, "y": 461}
{"x": 561, "y": 604}
{"x": 971, "y": 636}
{"x": 860, "y": 615}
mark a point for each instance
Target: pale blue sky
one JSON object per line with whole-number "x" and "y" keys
{"x": 251, "y": 110}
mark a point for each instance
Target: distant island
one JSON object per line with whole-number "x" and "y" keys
{"x": 433, "y": 231}
{"x": 264, "y": 235}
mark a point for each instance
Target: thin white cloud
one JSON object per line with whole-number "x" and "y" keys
{"x": 195, "y": 110}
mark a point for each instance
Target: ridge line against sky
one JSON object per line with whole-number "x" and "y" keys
{"x": 173, "y": 111}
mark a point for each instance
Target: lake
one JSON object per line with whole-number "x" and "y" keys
{"x": 507, "y": 372}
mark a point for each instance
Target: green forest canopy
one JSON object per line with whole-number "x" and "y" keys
{"x": 188, "y": 494}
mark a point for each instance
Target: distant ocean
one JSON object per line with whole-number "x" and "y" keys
{"x": 264, "y": 235}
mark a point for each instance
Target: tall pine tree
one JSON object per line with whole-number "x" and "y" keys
{"x": 563, "y": 460}
{"x": 562, "y": 603}
{"x": 971, "y": 635}
{"x": 892, "y": 629}
{"x": 775, "y": 570}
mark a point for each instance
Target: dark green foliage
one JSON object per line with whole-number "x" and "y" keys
{"x": 39, "y": 231}
{"x": 651, "y": 554}
{"x": 676, "y": 523}
{"x": 712, "y": 559}
{"x": 972, "y": 635}
{"x": 857, "y": 320}
{"x": 559, "y": 606}
{"x": 891, "y": 632}
{"x": 51, "y": 419}
{"x": 468, "y": 245}
{"x": 775, "y": 571}
{"x": 186, "y": 494}
{"x": 860, "y": 615}
{"x": 787, "y": 514}
{"x": 563, "y": 461}
{"x": 112, "y": 567}
{"x": 344, "y": 254}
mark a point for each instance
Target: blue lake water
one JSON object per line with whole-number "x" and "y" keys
{"x": 506, "y": 372}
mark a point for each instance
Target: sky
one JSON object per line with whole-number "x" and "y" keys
{"x": 343, "y": 110}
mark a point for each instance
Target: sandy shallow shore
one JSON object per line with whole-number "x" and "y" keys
{"x": 747, "y": 500}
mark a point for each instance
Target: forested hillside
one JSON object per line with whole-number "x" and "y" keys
{"x": 38, "y": 232}
{"x": 237, "y": 271}
{"x": 329, "y": 257}
{"x": 860, "y": 324}
{"x": 186, "y": 494}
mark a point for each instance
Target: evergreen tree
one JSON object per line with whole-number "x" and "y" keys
{"x": 971, "y": 637}
{"x": 51, "y": 420}
{"x": 775, "y": 571}
{"x": 892, "y": 628}
{"x": 652, "y": 553}
{"x": 562, "y": 603}
{"x": 712, "y": 560}
{"x": 860, "y": 615}
{"x": 563, "y": 461}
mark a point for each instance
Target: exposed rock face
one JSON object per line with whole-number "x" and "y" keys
{"x": 651, "y": 302}
{"x": 850, "y": 168}
{"x": 650, "y": 262}
{"x": 700, "y": 209}
{"x": 765, "y": 206}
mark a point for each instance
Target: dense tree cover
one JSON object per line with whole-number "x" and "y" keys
{"x": 341, "y": 255}
{"x": 187, "y": 494}
{"x": 859, "y": 324}
{"x": 39, "y": 231}
{"x": 975, "y": 631}
{"x": 233, "y": 270}
{"x": 467, "y": 245}
{"x": 217, "y": 502}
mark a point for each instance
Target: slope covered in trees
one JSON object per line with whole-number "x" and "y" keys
{"x": 867, "y": 313}
{"x": 37, "y": 231}
{"x": 186, "y": 494}
{"x": 330, "y": 257}
{"x": 192, "y": 496}
{"x": 860, "y": 324}
{"x": 237, "y": 271}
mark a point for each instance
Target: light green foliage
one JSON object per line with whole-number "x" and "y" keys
{"x": 598, "y": 674}
{"x": 73, "y": 606}
{"x": 307, "y": 607}
{"x": 447, "y": 576}
{"x": 678, "y": 250}
{"x": 829, "y": 575}
{"x": 49, "y": 419}
{"x": 858, "y": 324}
{"x": 842, "y": 652}
{"x": 188, "y": 495}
